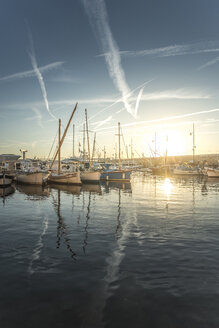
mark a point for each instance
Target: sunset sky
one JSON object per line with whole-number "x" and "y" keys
{"x": 151, "y": 65}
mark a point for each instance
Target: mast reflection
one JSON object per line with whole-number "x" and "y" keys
{"x": 61, "y": 227}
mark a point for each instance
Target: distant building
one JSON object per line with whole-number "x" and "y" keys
{"x": 8, "y": 161}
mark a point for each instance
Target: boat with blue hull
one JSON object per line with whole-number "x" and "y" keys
{"x": 114, "y": 174}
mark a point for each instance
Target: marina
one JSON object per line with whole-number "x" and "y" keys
{"x": 109, "y": 164}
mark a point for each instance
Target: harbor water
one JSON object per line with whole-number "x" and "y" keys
{"x": 144, "y": 254}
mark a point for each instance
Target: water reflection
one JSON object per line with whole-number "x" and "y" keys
{"x": 167, "y": 187}
{"x": 61, "y": 226}
{"x": 68, "y": 189}
{"x": 4, "y": 192}
{"x": 86, "y": 224}
{"x": 37, "y": 192}
{"x": 107, "y": 185}
{"x": 93, "y": 188}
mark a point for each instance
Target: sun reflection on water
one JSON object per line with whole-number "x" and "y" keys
{"x": 167, "y": 187}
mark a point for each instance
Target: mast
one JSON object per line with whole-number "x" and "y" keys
{"x": 64, "y": 134}
{"x": 193, "y": 149}
{"x": 119, "y": 145}
{"x": 84, "y": 142}
{"x": 93, "y": 151}
{"x": 73, "y": 150}
{"x": 165, "y": 162}
{"x": 59, "y": 149}
{"x": 155, "y": 148}
{"x": 88, "y": 143}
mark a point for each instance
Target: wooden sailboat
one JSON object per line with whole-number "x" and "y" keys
{"x": 116, "y": 174}
{"x": 90, "y": 175}
{"x": 63, "y": 177}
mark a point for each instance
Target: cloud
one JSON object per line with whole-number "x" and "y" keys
{"x": 30, "y": 73}
{"x": 100, "y": 123}
{"x": 211, "y": 62}
{"x": 97, "y": 14}
{"x": 173, "y": 50}
{"x": 37, "y": 117}
{"x": 163, "y": 119}
{"x": 39, "y": 75}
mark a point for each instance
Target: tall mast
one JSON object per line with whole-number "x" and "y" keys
{"x": 73, "y": 150}
{"x": 93, "y": 151}
{"x": 84, "y": 142}
{"x": 59, "y": 153}
{"x": 88, "y": 143}
{"x": 155, "y": 149}
{"x": 119, "y": 145}
{"x": 193, "y": 143}
{"x": 64, "y": 134}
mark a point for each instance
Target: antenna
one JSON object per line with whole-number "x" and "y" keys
{"x": 23, "y": 151}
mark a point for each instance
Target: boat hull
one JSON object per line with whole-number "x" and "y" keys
{"x": 116, "y": 175}
{"x": 213, "y": 173}
{"x": 37, "y": 178}
{"x": 90, "y": 177}
{"x": 68, "y": 178}
{"x": 5, "y": 181}
{"x": 187, "y": 172}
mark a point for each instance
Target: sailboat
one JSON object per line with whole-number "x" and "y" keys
{"x": 90, "y": 175}
{"x": 186, "y": 169}
{"x": 63, "y": 177}
{"x": 116, "y": 174}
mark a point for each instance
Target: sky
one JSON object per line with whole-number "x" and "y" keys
{"x": 151, "y": 65}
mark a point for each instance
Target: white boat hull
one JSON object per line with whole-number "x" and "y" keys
{"x": 37, "y": 178}
{"x": 65, "y": 178}
{"x": 90, "y": 176}
{"x": 213, "y": 173}
{"x": 185, "y": 172}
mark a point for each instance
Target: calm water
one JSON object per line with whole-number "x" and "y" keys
{"x": 144, "y": 254}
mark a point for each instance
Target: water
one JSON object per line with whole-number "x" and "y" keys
{"x": 144, "y": 254}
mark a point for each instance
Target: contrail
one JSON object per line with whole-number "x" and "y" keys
{"x": 30, "y": 73}
{"x": 37, "y": 117}
{"x": 138, "y": 101}
{"x": 211, "y": 62}
{"x": 97, "y": 14}
{"x": 164, "y": 119}
{"x": 39, "y": 76}
{"x": 99, "y": 124}
{"x": 173, "y": 50}
{"x": 120, "y": 99}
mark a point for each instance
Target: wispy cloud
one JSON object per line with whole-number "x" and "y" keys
{"x": 97, "y": 14}
{"x": 37, "y": 117}
{"x": 31, "y": 73}
{"x": 100, "y": 123}
{"x": 209, "y": 63}
{"x": 174, "y": 50}
{"x": 163, "y": 119}
{"x": 39, "y": 75}
{"x": 181, "y": 93}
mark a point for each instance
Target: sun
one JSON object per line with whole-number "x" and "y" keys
{"x": 171, "y": 142}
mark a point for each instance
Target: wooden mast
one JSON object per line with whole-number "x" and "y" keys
{"x": 119, "y": 145}
{"x": 88, "y": 143}
{"x": 59, "y": 149}
{"x": 73, "y": 150}
{"x": 64, "y": 134}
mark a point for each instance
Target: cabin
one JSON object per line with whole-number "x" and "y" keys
{"x": 8, "y": 162}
